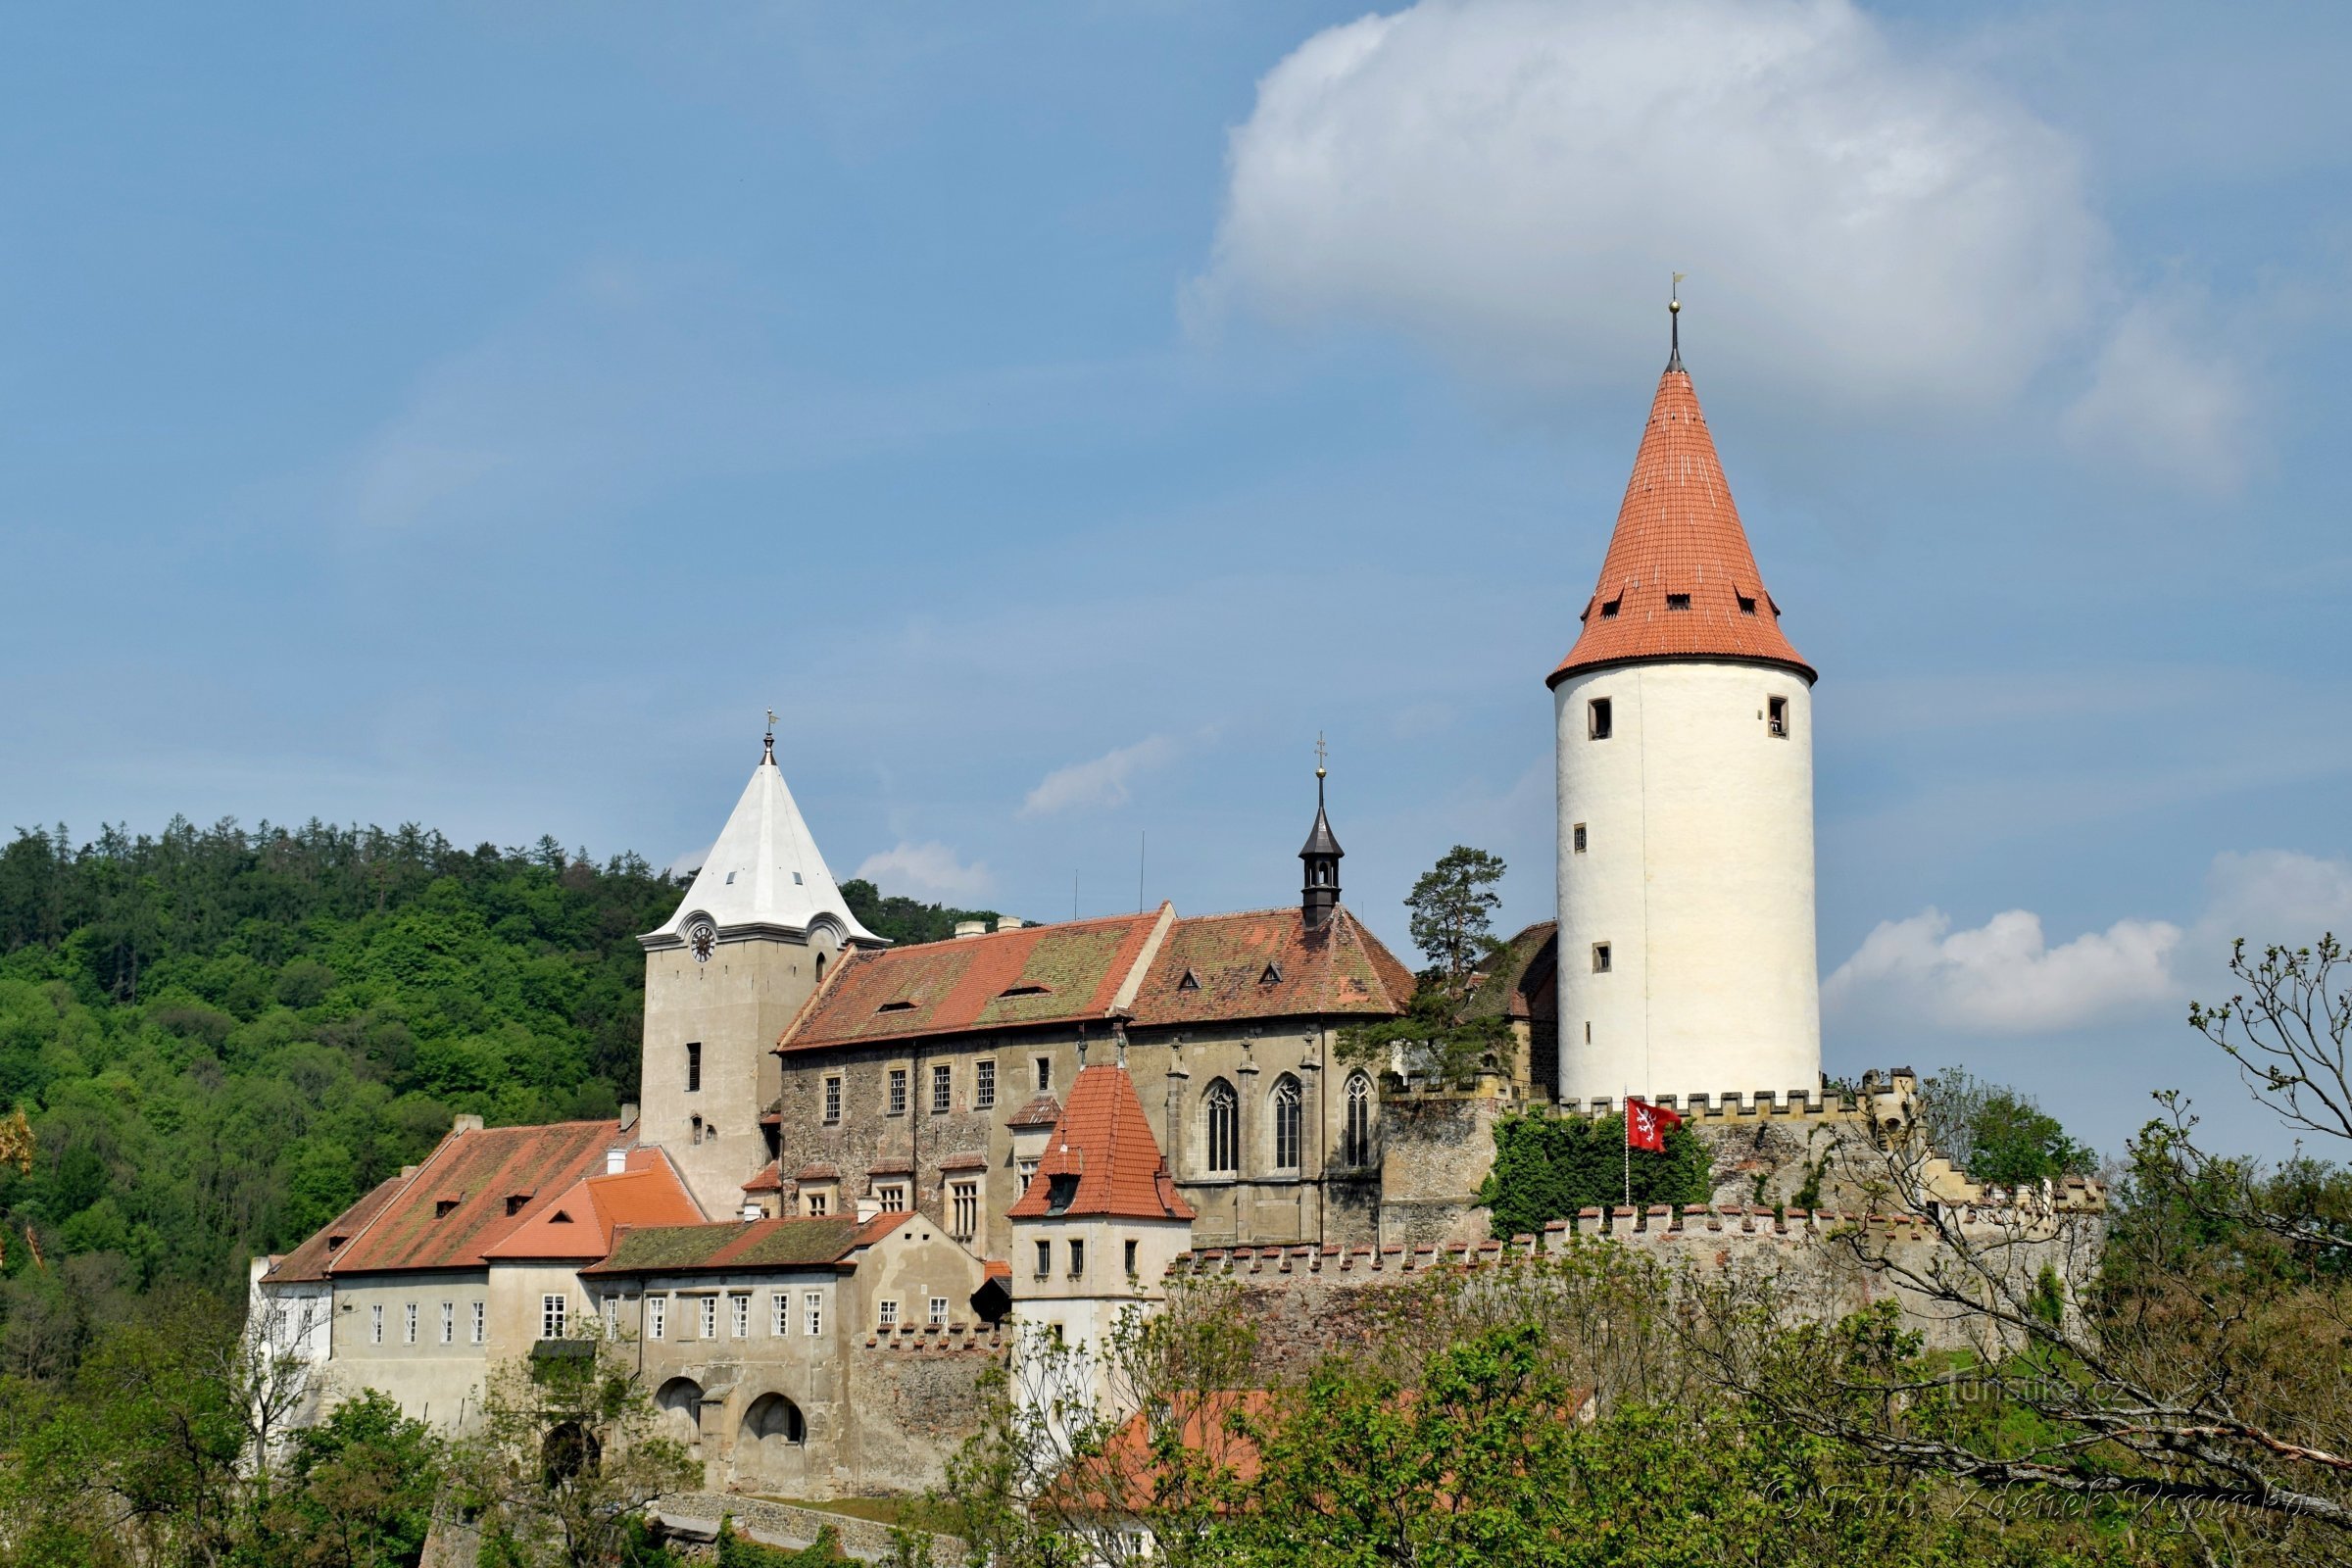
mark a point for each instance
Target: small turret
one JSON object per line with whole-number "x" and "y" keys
{"x": 1321, "y": 893}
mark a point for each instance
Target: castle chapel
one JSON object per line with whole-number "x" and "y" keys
{"x": 855, "y": 1161}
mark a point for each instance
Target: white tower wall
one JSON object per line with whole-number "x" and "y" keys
{"x": 1697, "y": 872}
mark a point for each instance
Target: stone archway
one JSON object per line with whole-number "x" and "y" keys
{"x": 569, "y": 1450}
{"x": 680, "y": 1402}
{"x": 771, "y": 1444}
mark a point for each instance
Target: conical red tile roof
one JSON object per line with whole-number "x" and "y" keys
{"x": 1680, "y": 581}
{"x": 1105, "y": 1140}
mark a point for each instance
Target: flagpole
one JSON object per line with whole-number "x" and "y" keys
{"x": 1628, "y": 1130}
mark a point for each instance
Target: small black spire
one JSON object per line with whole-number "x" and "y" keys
{"x": 1321, "y": 893}
{"x": 1674, "y": 324}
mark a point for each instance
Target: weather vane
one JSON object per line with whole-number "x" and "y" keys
{"x": 1321, "y": 754}
{"x": 1674, "y": 319}
{"x": 768, "y": 745}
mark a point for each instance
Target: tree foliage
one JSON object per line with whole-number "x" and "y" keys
{"x": 1452, "y": 905}
{"x": 1547, "y": 1167}
{"x": 1997, "y": 1134}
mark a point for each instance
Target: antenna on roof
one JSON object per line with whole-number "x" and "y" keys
{"x": 1674, "y": 321}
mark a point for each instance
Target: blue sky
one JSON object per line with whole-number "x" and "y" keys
{"x": 479, "y": 416}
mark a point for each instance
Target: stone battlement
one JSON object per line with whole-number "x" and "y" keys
{"x": 938, "y": 1338}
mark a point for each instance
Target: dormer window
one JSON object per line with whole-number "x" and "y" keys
{"x": 443, "y": 1207}
{"x": 1189, "y": 982}
{"x": 895, "y": 1007}
{"x": 335, "y": 1243}
{"x": 1272, "y": 976}
{"x": 1028, "y": 988}
{"x": 1608, "y": 609}
{"x": 515, "y": 1201}
{"x": 1678, "y": 601}
{"x": 1748, "y": 605}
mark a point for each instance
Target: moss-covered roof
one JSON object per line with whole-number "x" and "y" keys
{"x": 756, "y": 1244}
{"x": 1516, "y": 975}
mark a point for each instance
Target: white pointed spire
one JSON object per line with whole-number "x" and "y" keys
{"x": 765, "y": 870}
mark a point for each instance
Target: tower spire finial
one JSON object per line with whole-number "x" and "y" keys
{"x": 1674, "y": 322}
{"x": 768, "y": 744}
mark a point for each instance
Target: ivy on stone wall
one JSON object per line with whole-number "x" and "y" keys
{"x": 1547, "y": 1167}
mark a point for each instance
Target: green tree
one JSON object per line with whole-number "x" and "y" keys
{"x": 1452, "y": 905}
{"x": 1997, "y": 1134}
{"x": 357, "y": 1491}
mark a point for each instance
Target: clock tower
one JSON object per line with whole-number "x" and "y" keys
{"x": 724, "y": 976}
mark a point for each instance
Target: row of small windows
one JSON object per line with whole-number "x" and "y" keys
{"x": 783, "y": 1319}
{"x": 1675, "y": 602}
{"x": 898, "y": 1086}
{"x": 476, "y": 1323}
{"x": 1221, "y": 1106}
{"x": 1076, "y": 1250}
{"x": 1601, "y": 717}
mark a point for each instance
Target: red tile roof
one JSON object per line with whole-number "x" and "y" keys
{"x": 582, "y": 1220}
{"x": 768, "y": 1180}
{"x": 310, "y": 1260}
{"x": 786, "y": 1243}
{"x": 1105, "y": 1143}
{"x": 1041, "y": 1111}
{"x": 1036, "y": 974}
{"x": 476, "y": 1170}
{"x": 1679, "y": 533}
{"x": 1269, "y": 963}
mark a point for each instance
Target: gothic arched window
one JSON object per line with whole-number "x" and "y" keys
{"x": 1285, "y": 1123}
{"x": 1224, "y": 1124}
{"x": 1357, "y": 1140}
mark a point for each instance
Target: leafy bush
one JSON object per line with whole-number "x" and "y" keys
{"x": 1547, "y": 1167}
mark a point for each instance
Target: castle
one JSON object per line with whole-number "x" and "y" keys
{"x": 857, "y": 1165}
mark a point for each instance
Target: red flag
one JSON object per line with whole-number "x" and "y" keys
{"x": 1645, "y": 1124}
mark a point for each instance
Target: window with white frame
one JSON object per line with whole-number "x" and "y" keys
{"x": 449, "y": 1322}
{"x": 782, "y": 1303}
{"x": 815, "y": 1204}
{"x": 943, "y": 1088}
{"x": 938, "y": 1311}
{"x": 892, "y": 1195}
{"x": 375, "y": 1325}
{"x": 481, "y": 1321}
{"x": 1026, "y": 1169}
{"x": 898, "y": 1091}
{"x": 553, "y": 1312}
{"x": 984, "y": 1085}
{"x": 889, "y": 1315}
{"x": 656, "y": 1316}
{"x": 707, "y": 1317}
{"x": 814, "y": 1306}
{"x": 408, "y": 1315}
{"x": 739, "y": 1316}
{"x": 963, "y": 1209}
{"x": 833, "y": 1100}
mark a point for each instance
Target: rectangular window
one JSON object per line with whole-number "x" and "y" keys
{"x": 814, "y": 1205}
{"x": 407, "y": 1333}
{"x": 707, "y": 1316}
{"x": 1597, "y": 719}
{"x": 1678, "y": 601}
{"x": 1131, "y": 1250}
{"x": 938, "y": 1311}
{"x": 1600, "y": 958}
{"x": 783, "y": 1307}
{"x": 1748, "y": 606}
{"x": 552, "y": 1314}
{"x": 656, "y": 1316}
{"x": 833, "y": 1101}
{"x": 1045, "y": 1258}
{"x": 898, "y": 1091}
{"x": 813, "y": 1303}
{"x": 1077, "y": 1258}
{"x": 984, "y": 1086}
{"x": 943, "y": 1089}
{"x": 892, "y": 1195}
{"x": 481, "y": 1321}
{"x": 694, "y": 1066}
{"x": 965, "y": 1211}
{"x": 375, "y": 1323}
{"x": 1578, "y": 835}
{"x": 1776, "y": 717}
{"x": 449, "y": 1322}
{"x": 890, "y": 1315}
{"x": 739, "y": 1316}
{"x": 1044, "y": 1075}
{"x": 1027, "y": 1171}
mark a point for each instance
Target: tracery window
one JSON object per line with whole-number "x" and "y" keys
{"x": 1285, "y": 1123}
{"x": 1224, "y": 1125}
{"x": 1356, "y": 1138}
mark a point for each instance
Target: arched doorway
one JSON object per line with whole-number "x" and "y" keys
{"x": 680, "y": 1402}
{"x": 569, "y": 1452}
{"x": 772, "y": 1446}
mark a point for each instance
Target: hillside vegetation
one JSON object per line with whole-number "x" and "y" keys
{"x": 223, "y": 1035}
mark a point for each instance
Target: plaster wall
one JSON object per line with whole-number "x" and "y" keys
{"x": 434, "y": 1381}
{"x": 1698, "y": 874}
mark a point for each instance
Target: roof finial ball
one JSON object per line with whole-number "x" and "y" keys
{"x": 1674, "y": 321}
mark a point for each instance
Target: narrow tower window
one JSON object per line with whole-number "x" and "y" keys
{"x": 1578, "y": 835}
{"x": 1597, "y": 719}
{"x": 1285, "y": 1123}
{"x": 1748, "y": 606}
{"x": 694, "y": 1066}
{"x": 1224, "y": 1127}
{"x": 1678, "y": 601}
{"x": 1776, "y": 717}
{"x": 1600, "y": 958}
{"x": 1357, "y": 1146}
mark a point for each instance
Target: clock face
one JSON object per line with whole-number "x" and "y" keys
{"x": 701, "y": 937}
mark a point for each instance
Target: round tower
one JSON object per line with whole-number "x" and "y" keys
{"x": 1684, "y": 737}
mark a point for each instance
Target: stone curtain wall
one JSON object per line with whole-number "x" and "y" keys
{"x": 917, "y": 1399}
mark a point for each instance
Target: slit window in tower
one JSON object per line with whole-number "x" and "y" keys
{"x": 1678, "y": 601}
{"x": 1044, "y": 1075}
{"x": 1600, "y": 958}
{"x": 1577, "y": 834}
{"x": 694, "y": 1066}
{"x": 1597, "y": 719}
{"x": 1776, "y": 718}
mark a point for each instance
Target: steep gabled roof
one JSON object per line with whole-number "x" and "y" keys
{"x": 1101, "y": 1161}
{"x": 310, "y": 1260}
{"x": 582, "y": 1221}
{"x": 1679, "y": 538}
{"x": 1271, "y": 963}
{"x": 457, "y": 1203}
{"x": 755, "y": 1244}
{"x": 1036, "y": 974}
{"x": 1513, "y": 980}
{"x": 765, "y": 870}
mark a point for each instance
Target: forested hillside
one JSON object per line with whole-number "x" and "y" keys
{"x": 223, "y": 1035}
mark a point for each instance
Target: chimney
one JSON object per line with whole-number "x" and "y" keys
{"x": 466, "y": 1124}
{"x": 867, "y": 1208}
{"x": 1009, "y": 922}
{"x": 970, "y": 928}
{"x": 629, "y": 1114}
{"x": 617, "y": 1160}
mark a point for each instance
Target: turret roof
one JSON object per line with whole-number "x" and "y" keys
{"x": 1680, "y": 580}
{"x": 1101, "y": 1161}
{"x": 765, "y": 870}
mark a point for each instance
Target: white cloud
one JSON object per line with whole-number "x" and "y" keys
{"x": 1101, "y": 782}
{"x": 1509, "y": 180}
{"x": 2160, "y": 400}
{"x": 2003, "y": 978}
{"x": 928, "y": 870}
